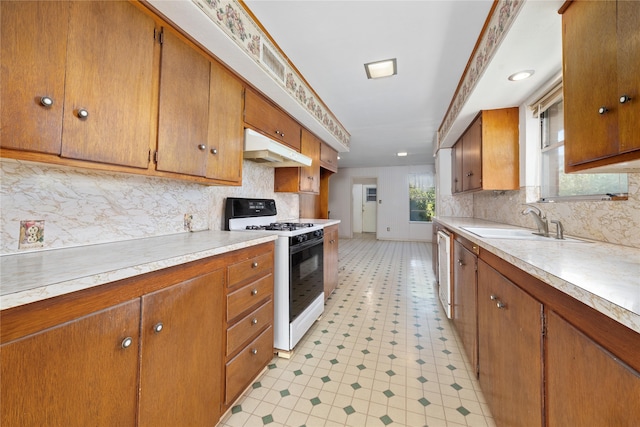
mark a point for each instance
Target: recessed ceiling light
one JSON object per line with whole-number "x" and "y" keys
{"x": 401, "y": 154}
{"x": 338, "y": 157}
{"x": 521, "y": 75}
{"x": 378, "y": 69}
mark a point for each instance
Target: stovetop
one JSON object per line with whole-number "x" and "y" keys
{"x": 260, "y": 215}
{"x": 281, "y": 226}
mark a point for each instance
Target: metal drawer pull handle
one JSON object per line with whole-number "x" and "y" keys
{"x": 254, "y": 292}
{"x": 126, "y": 343}
{"x": 460, "y": 263}
{"x": 83, "y": 114}
{"x": 493, "y": 297}
{"x": 202, "y": 147}
{"x": 254, "y": 351}
{"x": 46, "y": 101}
{"x": 602, "y": 110}
{"x": 469, "y": 173}
{"x": 254, "y": 265}
{"x": 624, "y": 99}
{"x": 214, "y": 151}
{"x": 254, "y": 321}
{"x": 158, "y": 328}
{"x": 500, "y": 304}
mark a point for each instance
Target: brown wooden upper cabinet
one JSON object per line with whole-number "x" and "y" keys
{"x": 264, "y": 117}
{"x": 304, "y": 179}
{"x": 601, "y": 81}
{"x": 200, "y": 129}
{"x": 77, "y": 80}
{"x": 486, "y": 155}
{"x": 328, "y": 157}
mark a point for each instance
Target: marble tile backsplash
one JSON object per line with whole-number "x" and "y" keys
{"x": 606, "y": 221}
{"x": 83, "y": 207}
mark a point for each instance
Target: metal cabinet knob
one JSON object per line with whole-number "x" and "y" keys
{"x": 470, "y": 173}
{"x": 624, "y": 99}
{"x": 45, "y": 101}
{"x": 202, "y": 147}
{"x": 493, "y": 297}
{"x": 83, "y": 113}
{"x": 214, "y": 151}
{"x": 254, "y": 292}
{"x": 500, "y": 304}
{"x": 460, "y": 263}
{"x": 254, "y": 265}
{"x": 158, "y": 327}
{"x": 126, "y": 343}
{"x": 254, "y": 321}
{"x": 254, "y": 351}
{"x": 602, "y": 110}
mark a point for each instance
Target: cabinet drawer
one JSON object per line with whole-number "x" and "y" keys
{"x": 254, "y": 267}
{"x": 249, "y": 327}
{"x": 243, "y": 368}
{"x": 248, "y": 296}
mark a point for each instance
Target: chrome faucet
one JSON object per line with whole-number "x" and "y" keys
{"x": 559, "y": 229}
{"x": 541, "y": 220}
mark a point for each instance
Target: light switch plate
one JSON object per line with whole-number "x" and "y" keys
{"x": 31, "y": 234}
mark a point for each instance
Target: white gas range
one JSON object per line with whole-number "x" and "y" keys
{"x": 298, "y": 267}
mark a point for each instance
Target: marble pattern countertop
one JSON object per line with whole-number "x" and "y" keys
{"x": 603, "y": 276}
{"x": 35, "y": 276}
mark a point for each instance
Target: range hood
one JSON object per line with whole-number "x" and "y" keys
{"x": 269, "y": 152}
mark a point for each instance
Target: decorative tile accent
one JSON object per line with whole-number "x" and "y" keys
{"x": 232, "y": 18}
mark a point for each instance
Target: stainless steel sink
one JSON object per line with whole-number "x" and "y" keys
{"x": 515, "y": 234}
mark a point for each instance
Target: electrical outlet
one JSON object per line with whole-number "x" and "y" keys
{"x": 188, "y": 222}
{"x": 388, "y": 228}
{"x": 31, "y": 234}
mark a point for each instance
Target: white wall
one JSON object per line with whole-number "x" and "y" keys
{"x": 393, "y": 201}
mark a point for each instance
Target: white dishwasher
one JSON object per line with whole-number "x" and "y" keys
{"x": 444, "y": 271}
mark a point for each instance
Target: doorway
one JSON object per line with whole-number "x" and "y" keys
{"x": 364, "y": 205}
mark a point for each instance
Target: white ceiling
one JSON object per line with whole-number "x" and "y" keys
{"x": 329, "y": 42}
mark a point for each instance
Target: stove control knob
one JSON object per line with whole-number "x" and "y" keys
{"x": 318, "y": 233}
{"x": 301, "y": 238}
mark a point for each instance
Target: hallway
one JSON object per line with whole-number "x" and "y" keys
{"x": 383, "y": 353}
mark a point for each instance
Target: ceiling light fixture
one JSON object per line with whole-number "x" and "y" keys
{"x": 378, "y": 69}
{"x": 521, "y": 75}
{"x": 401, "y": 154}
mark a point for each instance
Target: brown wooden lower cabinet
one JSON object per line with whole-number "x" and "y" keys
{"x": 586, "y": 385}
{"x": 465, "y": 300}
{"x": 330, "y": 260}
{"x": 74, "y": 374}
{"x": 143, "y": 351}
{"x": 509, "y": 350}
{"x": 180, "y": 333}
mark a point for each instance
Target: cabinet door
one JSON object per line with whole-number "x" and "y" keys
{"x": 587, "y": 385}
{"x": 628, "y": 74}
{"x": 328, "y": 157}
{"x": 109, "y": 74}
{"x": 472, "y": 157}
{"x": 589, "y": 81}
{"x": 226, "y": 138}
{"x": 310, "y": 175}
{"x": 271, "y": 121}
{"x": 458, "y": 176}
{"x": 465, "y": 300}
{"x": 184, "y": 107}
{"x": 75, "y": 374}
{"x": 181, "y": 363}
{"x": 330, "y": 260}
{"x": 33, "y": 44}
{"x": 509, "y": 349}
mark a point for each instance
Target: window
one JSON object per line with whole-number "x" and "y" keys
{"x": 555, "y": 184}
{"x": 422, "y": 197}
{"x": 372, "y": 194}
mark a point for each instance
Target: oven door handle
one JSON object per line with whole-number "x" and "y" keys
{"x": 305, "y": 245}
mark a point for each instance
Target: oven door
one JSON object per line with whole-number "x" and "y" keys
{"x": 306, "y": 279}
